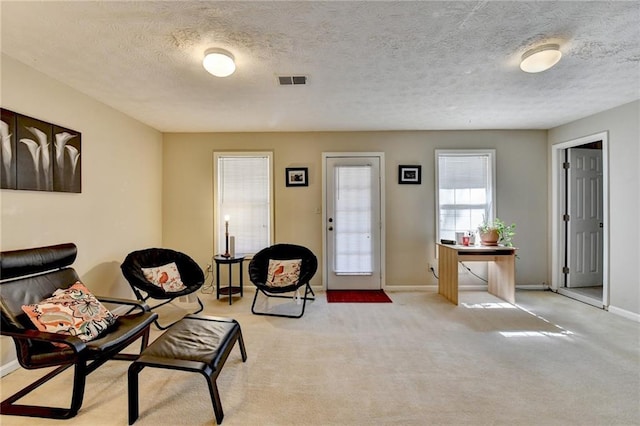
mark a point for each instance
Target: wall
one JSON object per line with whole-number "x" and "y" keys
{"x": 119, "y": 209}
{"x": 410, "y": 220}
{"x": 623, "y": 126}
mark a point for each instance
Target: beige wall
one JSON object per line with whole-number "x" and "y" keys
{"x": 410, "y": 221}
{"x": 119, "y": 208}
{"x": 622, "y": 125}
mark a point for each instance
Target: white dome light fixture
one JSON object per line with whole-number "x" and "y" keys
{"x": 540, "y": 58}
{"x": 219, "y": 62}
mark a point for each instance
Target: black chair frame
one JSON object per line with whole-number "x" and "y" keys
{"x": 258, "y": 269}
{"x": 190, "y": 273}
{"x": 29, "y": 276}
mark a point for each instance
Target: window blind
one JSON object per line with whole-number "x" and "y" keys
{"x": 244, "y": 195}
{"x": 353, "y": 245}
{"x": 465, "y": 191}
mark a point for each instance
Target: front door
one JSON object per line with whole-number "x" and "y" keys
{"x": 585, "y": 226}
{"x": 353, "y": 222}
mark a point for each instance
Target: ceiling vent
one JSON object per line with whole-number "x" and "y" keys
{"x": 292, "y": 80}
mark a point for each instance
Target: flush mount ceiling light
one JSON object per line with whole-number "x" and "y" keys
{"x": 219, "y": 62}
{"x": 540, "y": 58}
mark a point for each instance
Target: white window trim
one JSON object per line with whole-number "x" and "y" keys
{"x": 464, "y": 153}
{"x": 217, "y": 214}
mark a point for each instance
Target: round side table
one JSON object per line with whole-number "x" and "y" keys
{"x": 229, "y": 290}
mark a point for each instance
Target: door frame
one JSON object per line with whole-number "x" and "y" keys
{"x": 558, "y": 237}
{"x": 380, "y": 155}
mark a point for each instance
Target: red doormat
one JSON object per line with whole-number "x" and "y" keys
{"x": 357, "y": 296}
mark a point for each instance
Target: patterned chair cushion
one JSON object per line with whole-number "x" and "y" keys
{"x": 283, "y": 273}
{"x": 73, "y": 311}
{"x": 166, "y": 277}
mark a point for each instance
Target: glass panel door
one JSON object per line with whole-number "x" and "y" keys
{"x": 353, "y": 223}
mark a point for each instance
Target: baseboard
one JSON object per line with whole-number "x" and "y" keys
{"x": 9, "y": 367}
{"x": 624, "y": 313}
{"x": 252, "y": 288}
{"x": 532, "y": 287}
{"x": 433, "y": 287}
{"x": 411, "y": 288}
{"x": 480, "y": 287}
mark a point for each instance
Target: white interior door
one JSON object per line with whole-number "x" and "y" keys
{"x": 353, "y": 223}
{"x": 585, "y": 227}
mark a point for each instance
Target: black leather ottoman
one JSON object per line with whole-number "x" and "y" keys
{"x": 195, "y": 343}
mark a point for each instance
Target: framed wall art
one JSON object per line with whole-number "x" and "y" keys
{"x": 297, "y": 176}
{"x": 38, "y": 156}
{"x": 8, "y": 174}
{"x": 410, "y": 175}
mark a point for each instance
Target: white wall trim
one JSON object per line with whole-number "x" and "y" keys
{"x": 407, "y": 288}
{"x": 9, "y": 367}
{"x": 479, "y": 287}
{"x": 541, "y": 287}
{"x": 624, "y": 313}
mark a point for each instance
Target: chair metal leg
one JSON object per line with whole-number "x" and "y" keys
{"x": 146, "y": 297}
{"x": 201, "y": 305}
{"x": 308, "y": 290}
{"x": 215, "y": 398}
{"x": 144, "y": 341}
{"x": 243, "y": 350}
{"x": 157, "y": 322}
{"x": 134, "y": 402}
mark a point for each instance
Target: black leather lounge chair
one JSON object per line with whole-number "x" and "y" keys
{"x": 28, "y": 277}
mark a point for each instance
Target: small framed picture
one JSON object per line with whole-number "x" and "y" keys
{"x": 410, "y": 175}
{"x": 297, "y": 176}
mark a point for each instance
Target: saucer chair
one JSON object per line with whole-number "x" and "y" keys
{"x": 147, "y": 271}
{"x": 283, "y": 268}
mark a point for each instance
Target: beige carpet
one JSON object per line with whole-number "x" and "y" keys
{"x": 417, "y": 361}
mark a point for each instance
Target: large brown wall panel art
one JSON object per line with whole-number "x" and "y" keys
{"x": 39, "y": 156}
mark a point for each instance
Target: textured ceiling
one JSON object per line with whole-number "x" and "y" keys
{"x": 370, "y": 65}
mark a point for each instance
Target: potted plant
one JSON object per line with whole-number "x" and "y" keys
{"x": 496, "y": 232}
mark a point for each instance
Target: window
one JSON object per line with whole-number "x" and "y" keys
{"x": 243, "y": 193}
{"x": 465, "y": 182}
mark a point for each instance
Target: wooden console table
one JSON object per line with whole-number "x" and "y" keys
{"x": 502, "y": 269}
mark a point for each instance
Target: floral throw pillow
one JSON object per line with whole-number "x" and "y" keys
{"x": 166, "y": 277}
{"x": 283, "y": 273}
{"x": 73, "y": 311}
